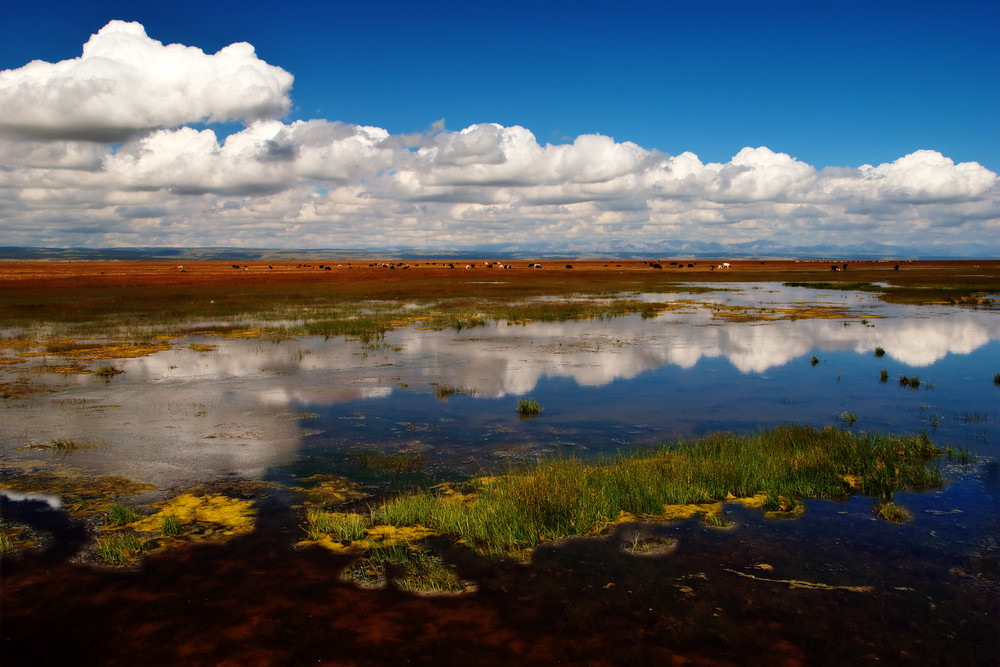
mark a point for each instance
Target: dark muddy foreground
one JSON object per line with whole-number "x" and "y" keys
{"x": 722, "y": 597}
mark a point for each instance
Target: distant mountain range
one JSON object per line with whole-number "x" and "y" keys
{"x": 582, "y": 250}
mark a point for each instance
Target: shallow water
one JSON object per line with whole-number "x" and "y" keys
{"x": 277, "y": 410}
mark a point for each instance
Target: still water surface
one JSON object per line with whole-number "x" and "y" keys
{"x": 247, "y": 407}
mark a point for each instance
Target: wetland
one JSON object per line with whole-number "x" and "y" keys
{"x": 375, "y": 462}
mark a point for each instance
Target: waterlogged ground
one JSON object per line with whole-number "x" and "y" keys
{"x": 307, "y": 421}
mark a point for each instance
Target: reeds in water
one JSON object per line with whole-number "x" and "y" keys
{"x": 510, "y": 513}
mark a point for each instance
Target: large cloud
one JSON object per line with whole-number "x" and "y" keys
{"x": 124, "y": 82}
{"x": 318, "y": 183}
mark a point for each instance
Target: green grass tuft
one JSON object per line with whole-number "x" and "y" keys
{"x": 342, "y": 527}
{"x": 120, "y": 515}
{"x": 119, "y": 548}
{"x": 890, "y": 511}
{"x": 170, "y": 525}
{"x": 528, "y": 407}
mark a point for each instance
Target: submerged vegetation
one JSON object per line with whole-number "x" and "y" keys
{"x": 509, "y": 514}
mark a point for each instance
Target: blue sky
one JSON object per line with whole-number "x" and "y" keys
{"x": 828, "y": 86}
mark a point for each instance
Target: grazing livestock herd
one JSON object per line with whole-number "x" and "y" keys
{"x": 658, "y": 265}
{"x": 655, "y": 264}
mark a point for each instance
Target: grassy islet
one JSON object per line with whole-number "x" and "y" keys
{"x": 510, "y": 513}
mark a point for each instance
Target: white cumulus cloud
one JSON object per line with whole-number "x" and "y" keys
{"x": 124, "y": 82}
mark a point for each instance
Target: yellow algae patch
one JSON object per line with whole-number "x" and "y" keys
{"x": 683, "y": 512}
{"x": 625, "y": 517}
{"x": 211, "y": 516}
{"x": 327, "y": 489}
{"x": 752, "y": 502}
{"x": 15, "y": 344}
{"x": 253, "y": 333}
{"x": 202, "y": 348}
{"x": 71, "y": 349}
{"x": 331, "y": 543}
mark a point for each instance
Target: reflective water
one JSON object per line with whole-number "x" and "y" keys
{"x": 249, "y": 407}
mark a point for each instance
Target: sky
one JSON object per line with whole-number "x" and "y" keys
{"x": 575, "y": 126}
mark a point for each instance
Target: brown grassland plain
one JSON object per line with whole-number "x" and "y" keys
{"x": 151, "y": 291}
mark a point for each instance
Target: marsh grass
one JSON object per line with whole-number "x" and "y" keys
{"x": 119, "y": 548}
{"x": 528, "y": 407}
{"x": 996, "y": 379}
{"x": 961, "y": 455}
{"x": 513, "y": 512}
{"x": 341, "y": 527}
{"x": 170, "y": 526}
{"x": 120, "y": 515}
{"x": 911, "y": 382}
{"x": 884, "y": 375}
{"x": 879, "y": 352}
